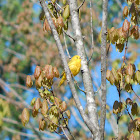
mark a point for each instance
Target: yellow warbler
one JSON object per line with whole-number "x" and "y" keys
{"x": 74, "y": 66}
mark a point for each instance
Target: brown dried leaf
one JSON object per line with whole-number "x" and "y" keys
{"x": 29, "y": 81}
{"x": 126, "y": 26}
{"x": 25, "y": 116}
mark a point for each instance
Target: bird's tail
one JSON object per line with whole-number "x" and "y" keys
{"x": 62, "y": 80}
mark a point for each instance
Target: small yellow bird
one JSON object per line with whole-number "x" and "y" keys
{"x": 74, "y": 66}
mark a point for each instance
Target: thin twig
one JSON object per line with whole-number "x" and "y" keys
{"x": 59, "y": 6}
{"x": 77, "y": 84}
{"x": 92, "y": 37}
{"x": 129, "y": 113}
{"x": 69, "y": 35}
{"x": 64, "y": 132}
{"x": 8, "y": 120}
{"x": 14, "y": 93}
{"x": 68, "y": 127}
{"x": 21, "y": 86}
{"x": 66, "y": 46}
{"x": 59, "y": 133}
{"x": 135, "y": 93}
{"x": 25, "y": 134}
{"x": 81, "y": 5}
{"x": 17, "y": 104}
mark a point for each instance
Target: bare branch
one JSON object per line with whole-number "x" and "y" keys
{"x": 69, "y": 35}
{"x": 14, "y": 93}
{"x": 103, "y": 67}
{"x": 21, "y": 86}
{"x": 66, "y": 46}
{"x": 81, "y": 5}
{"x": 25, "y": 134}
{"x": 9, "y": 100}
{"x": 15, "y": 53}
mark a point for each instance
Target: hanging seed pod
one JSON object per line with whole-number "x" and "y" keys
{"x": 128, "y": 88}
{"x": 137, "y": 122}
{"x": 57, "y": 101}
{"x": 44, "y": 109}
{"x": 125, "y": 12}
{"x": 60, "y": 21}
{"x": 108, "y": 74}
{"x": 37, "y": 104}
{"x": 131, "y": 126}
{"x": 29, "y": 81}
{"x": 42, "y": 124}
{"x": 53, "y": 124}
{"x": 127, "y": 79}
{"x": 38, "y": 82}
{"x": 129, "y": 101}
{"x": 56, "y": 72}
{"x": 137, "y": 76}
{"x": 49, "y": 74}
{"x": 64, "y": 2}
{"x": 63, "y": 106}
{"x": 66, "y": 12}
{"x": 126, "y": 26}
{"x": 46, "y": 26}
{"x": 33, "y": 101}
{"x": 68, "y": 113}
{"x": 134, "y": 109}
{"x": 135, "y": 34}
{"x": 115, "y": 74}
{"x": 55, "y": 22}
{"x": 122, "y": 36}
{"x": 25, "y": 116}
{"x": 37, "y": 72}
{"x": 34, "y": 112}
{"x": 112, "y": 79}
{"x": 130, "y": 69}
{"x": 120, "y": 47}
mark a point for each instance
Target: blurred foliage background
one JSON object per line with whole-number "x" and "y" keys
{"x": 24, "y": 44}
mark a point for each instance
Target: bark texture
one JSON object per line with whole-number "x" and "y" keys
{"x": 103, "y": 67}
{"x": 92, "y": 109}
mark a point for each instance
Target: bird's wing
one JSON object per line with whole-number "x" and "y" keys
{"x": 73, "y": 69}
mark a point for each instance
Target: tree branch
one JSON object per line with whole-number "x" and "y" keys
{"x": 25, "y": 134}
{"x": 66, "y": 68}
{"x": 103, "y": 67}
{"x": 14, "y": 93}
{"x": 92, "y": 110}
